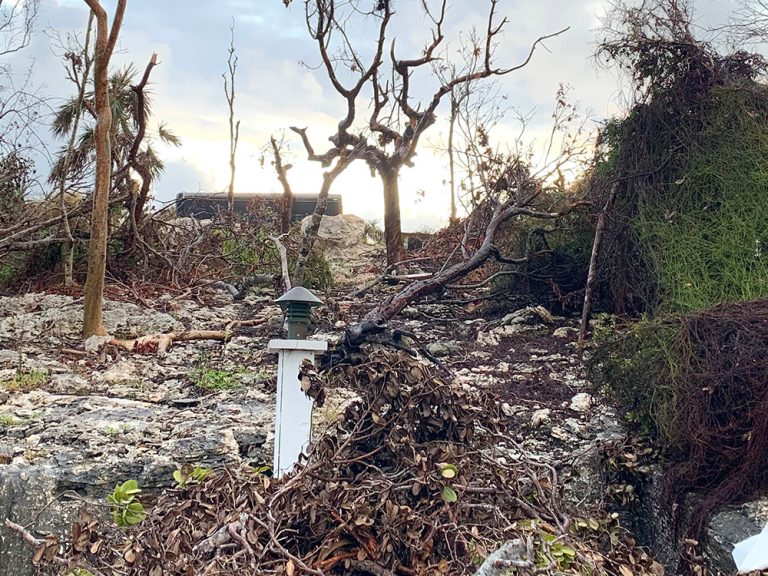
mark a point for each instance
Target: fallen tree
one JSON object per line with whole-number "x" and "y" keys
{"x": 509, "y": 187}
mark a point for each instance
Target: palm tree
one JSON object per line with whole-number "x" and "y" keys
{"x": 125, "y": 98}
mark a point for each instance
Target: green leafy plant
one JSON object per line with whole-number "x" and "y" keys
{"x": 187, "y": 475}
{"x": 124, "y": 504}
{"x": 208, "y": 378}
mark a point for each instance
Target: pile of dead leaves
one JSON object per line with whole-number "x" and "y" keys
{"x": 417, "y": 478}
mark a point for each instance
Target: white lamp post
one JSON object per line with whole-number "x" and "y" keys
{"x": 293, "y": 418}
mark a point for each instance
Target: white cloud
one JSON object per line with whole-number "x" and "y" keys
{"x": 275, "y": 91}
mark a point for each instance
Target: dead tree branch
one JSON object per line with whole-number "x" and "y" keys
{"x": 375, "y": 321}
{"x": 234, "y": 127}
{"x": 282, "y": 176}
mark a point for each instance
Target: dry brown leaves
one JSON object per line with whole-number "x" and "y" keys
{"x": 410, "y": 482}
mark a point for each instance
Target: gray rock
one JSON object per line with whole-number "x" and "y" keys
{"x": 95, "y": 343}
{"x": 439, "y": 349}
{"x": 500, "y": 561}
{"x": 581, "y": 402}
{"x": 491, "y": 338}
{"x": 51, "y": 316}
{"x": 541, "y": 416}
{"x": 120, "y": 373}
{"x": 341, "y": 231}
{"x": 564, "y": 332}
{"x": 729, "y": 526}
{"x": 531, "y": 315}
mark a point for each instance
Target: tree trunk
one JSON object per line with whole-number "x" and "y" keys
{"x": 393, "y": 236}
{"x": 234, "y": 127}
{"x": 97, "y": 247}
{"x": 310, "y": 236}
{"x": 282, "y": 175}
{"x": 593, "y": 263}
{"x": 67, "y": 247}
{"x": 451, "y": 159}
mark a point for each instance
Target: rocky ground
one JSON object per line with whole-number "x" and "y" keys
{"x": 73, "y": 422}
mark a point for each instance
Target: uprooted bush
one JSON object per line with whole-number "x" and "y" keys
{"x": 700, "y": 379}
{"x": 415, "y": 478}
{"x": 685, "y": 231}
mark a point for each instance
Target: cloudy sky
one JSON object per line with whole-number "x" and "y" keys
{"x": 278, "y": 85}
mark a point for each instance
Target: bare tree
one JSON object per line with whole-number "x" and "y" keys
{"x": 21, "y": 110}
{"x": 510, "y": 185}
{"x": 749, "y": 24}
{"x": 395, "y": 122}
{"x": 234, "y": 126}
{"x": 17, "y": 18}
{"x": 282, "y": 175}
{"x": 106, "y": 38}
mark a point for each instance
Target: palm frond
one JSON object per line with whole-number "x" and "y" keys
{"x": 64, "y": 118}
{"x": 167, "y": 136}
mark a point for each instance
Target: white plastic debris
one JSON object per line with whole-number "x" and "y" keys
{"x": 752, "y": 554}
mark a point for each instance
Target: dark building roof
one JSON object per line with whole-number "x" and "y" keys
{"x": 203, "y": 205}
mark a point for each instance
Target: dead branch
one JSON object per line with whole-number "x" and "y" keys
{"x": 310, "y": 236}
{"x": 160, "y": 343}
{"x": 45, "y": 550}
{"x": 234, "y": 127}
{"x": 282, "y": 176}
{"x": 283, "y": 261}
{"x": 139, "y": 201}
{"x": 375, "y": 321}
{"x": 24, "y": 228}
{"x": 223, "y": 535}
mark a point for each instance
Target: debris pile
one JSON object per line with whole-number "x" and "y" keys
{"x": 417, "y": 477}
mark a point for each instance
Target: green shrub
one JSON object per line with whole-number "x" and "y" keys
{"x": 689, "y": 232}
{"x": 635, "y": 366}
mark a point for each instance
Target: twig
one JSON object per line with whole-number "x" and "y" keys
{"x": 30, "y": 539}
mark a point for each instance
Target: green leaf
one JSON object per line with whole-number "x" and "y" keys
{"x": 449, "y": 494}
{"x": 448, "y": 471}
{"x": 130, "y": 487}
{"x": 177, "y": 475}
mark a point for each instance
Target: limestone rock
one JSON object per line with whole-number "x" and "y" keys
{"x": 120, "y": 373}
{"x": 95, "y": 343}
{"x": 581, "y": 402}
{"x": 440, "y": 349}
{"x": 541, "y": 416}
{"x": 341, "y": 231}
